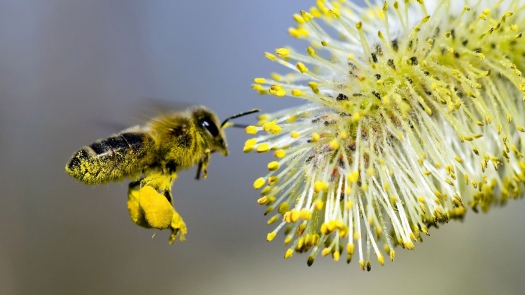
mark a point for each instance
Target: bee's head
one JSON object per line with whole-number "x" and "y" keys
{"x": 211, "y": 129}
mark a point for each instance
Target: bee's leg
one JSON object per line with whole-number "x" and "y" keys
{"x": 203, "y": 165}
{"x": 199, "y": 169}
{"x": 154, "y": 198}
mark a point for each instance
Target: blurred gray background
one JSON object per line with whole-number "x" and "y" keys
{"x": 66, "y": 65}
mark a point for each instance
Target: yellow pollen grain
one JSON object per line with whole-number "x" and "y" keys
{"x": 271, "y": 236}
{"x": 282, "y": 52}
{"x": 280, "y": 153}
{"x": 277, "y": 90}
{"x": 294, "y": 134}
{"x": 263, "y": 148}
{"x": 301, "y": 67}
{"x": 251, "y": 129}
{"x": 315, "y": 137}
{"x": 259, "y": 182}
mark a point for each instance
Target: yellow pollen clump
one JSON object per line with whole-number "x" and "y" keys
{"x": 272, "y": 166}
{"x": 282, "y": 52}
{"x": 259, "y": 182}
{"x": 251, "y": 129}
{"x": 280, "y": 153}
{"x": 277, "y": 90}
{"x": 263, "y": 148}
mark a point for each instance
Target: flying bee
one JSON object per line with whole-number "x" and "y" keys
{"x": 151, "y": 155}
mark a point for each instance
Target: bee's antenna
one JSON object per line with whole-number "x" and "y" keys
{"x": 239, "y": 115}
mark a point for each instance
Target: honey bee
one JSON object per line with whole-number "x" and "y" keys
{"x": 151, "y": 155}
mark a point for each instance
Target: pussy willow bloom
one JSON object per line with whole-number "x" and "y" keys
{"x": 414, "y": 113}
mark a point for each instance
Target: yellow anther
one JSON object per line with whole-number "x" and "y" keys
{"x": 350, "y": 249}
{"x": 299, "y": 19}
{"x": 288, "y": 254}
{"x": 270, "y": 56}
{"x": 305, "y": 214}
{"x": 263, "y": 200}
{"x": 353, "y": 177}
{"x": 458, "y": 159}
{"x": 301, "y": 67}
{"x": 263, "y": 148}
{"x": 310, "y": 51}
{"x": 336, "y": 256}
{"x": 315, "y": 12}
{"x": 275, "y": 129}
{"x": 276, "y": 76}
{"x": 343, "y": 135}
{"x": 314, "y": 86}
{"x": 273, "y": 166}
{"x": 277, "y": 90}
{"x": 315, "y": 137}
{"x": 359, "y": 25}
{"x": 370, "y": 171}
{"x": 509, "y": 118}
{"x": 306, "y": 16}
{"x": 486, "y": 11}
{"x": 251, "y": 129}
{"x": 259, "y": 80}
{"x": 294, "y": 134}
{"x": 272, "y": 180}
{"x": 350, "y": 57}
{"x": 334, "y": 144}
{"x": 283, "y": 208}
{"x": 294, "y": 32}
{"x": 282, "y": 52}
{"x": 272, "y": 220}
{"x": 280, "y": 153}
{"x": 297, "y": 92}
{"x": 271, "y": 236}
{"x": 318, "y": 205}
{"x": 320, "y": 186}
{"x": 326, "y": 251}
{"x": 259, "y": 182}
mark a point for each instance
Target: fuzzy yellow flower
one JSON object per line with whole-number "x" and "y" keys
{"x": 415, "y": 112}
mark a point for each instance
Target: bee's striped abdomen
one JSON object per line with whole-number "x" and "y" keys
{"x": 120, "y": 156}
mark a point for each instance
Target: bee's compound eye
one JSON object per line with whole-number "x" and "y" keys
{"x": 210, "y": 126}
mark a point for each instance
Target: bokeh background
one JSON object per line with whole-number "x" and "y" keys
{"x": 68, "y": 65}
